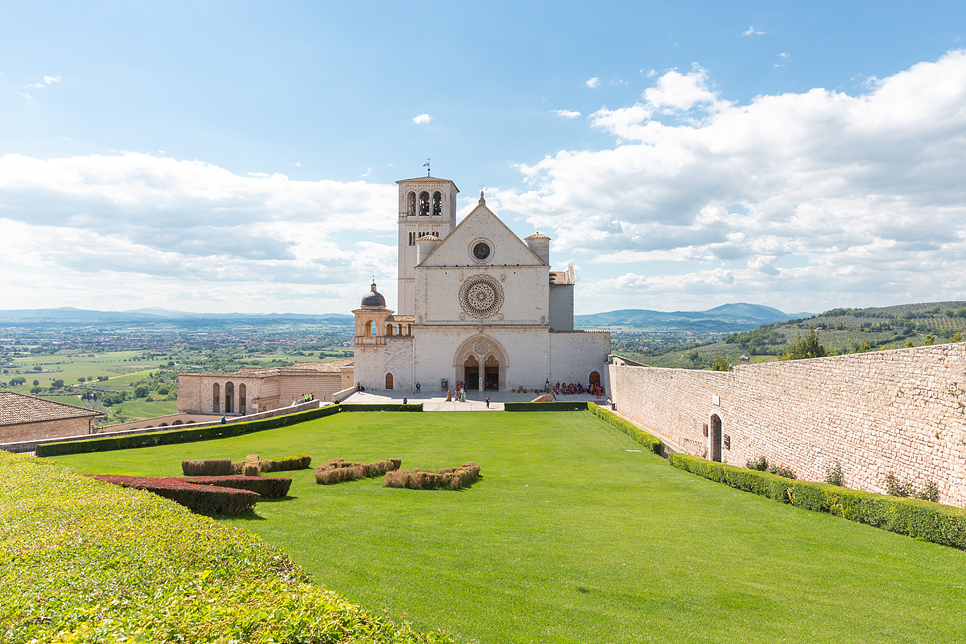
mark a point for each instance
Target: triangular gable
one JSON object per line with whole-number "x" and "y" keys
{"x": 482, "y": 223}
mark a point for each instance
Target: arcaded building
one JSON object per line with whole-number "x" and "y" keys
{"x": 251, "y": 390}
{"x": 476, "y": 304}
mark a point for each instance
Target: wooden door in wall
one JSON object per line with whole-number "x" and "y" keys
{"x": 715, "y": 438}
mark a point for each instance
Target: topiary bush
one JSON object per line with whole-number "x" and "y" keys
{"x": 652, "y": 443}
{"x": 917, "y": 518}
{"x": 203, "y": 499}
{"x": 207, "y": 467}
{"x": 450, "y": 478}
{"x": 286, "y": 463}
{"x": 270, "y": 487}
{"x": 338, "y": 470}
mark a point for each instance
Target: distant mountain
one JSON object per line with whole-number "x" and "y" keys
{"x": 69, "y": 314}
{"x": 726, "y": 318}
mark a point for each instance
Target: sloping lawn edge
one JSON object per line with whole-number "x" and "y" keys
{"x": 652, "y": 443}
{"x": 935, "y": 522}
{"x": 86, "y": 561}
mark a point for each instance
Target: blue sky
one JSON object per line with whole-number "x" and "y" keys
{"x": 242, "y": 156}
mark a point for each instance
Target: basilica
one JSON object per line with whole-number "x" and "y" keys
{"x": 476, "y": 304}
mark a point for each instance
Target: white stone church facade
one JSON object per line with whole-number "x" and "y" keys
{"x": 476, "y": 304}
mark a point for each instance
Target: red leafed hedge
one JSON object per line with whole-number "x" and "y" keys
{"x": 268, "y": 486}
{"x": 204, "y": 499}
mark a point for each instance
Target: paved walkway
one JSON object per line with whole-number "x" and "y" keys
{"x": 475, "y": 400}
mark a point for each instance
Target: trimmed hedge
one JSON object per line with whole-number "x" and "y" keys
{"x": 449, "y": 478}
{"x": 560, "y": 405}
{"x": 652, "y": 443}
{"x": 286, "y": 463}
{"x": 943, "y": 524}
{"x": 270, "y": 487}
{"x": 338, "y": 470}
{"x": 174, "y": 436}
{"x": 207, "y": 467}
{"x": 86, "y": 562}
{"x": 379, "y": 407}
{"x": 204, "y": 499}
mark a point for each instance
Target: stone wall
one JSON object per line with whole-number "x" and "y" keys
{"x": 575, "y": 354}
{"x": 901, "y": 412}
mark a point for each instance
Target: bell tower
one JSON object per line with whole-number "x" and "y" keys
{"x": 427, "y": 206}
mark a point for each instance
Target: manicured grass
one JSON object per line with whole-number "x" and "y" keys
{"x": 571, "y": 537}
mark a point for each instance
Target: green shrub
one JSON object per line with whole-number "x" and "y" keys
{"x": 381, "y": 407}
{"x": 270, "y": 487}
{"x": 88, "y": 562}
{"x": 559, "y": 405}
{"x": 175, "y": 436}
{"x": 652, "y": 443}
{"x": 916, "y": 518}
{"x": 834, "y": 476}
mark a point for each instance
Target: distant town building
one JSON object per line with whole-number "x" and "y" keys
{"x": 27, "y": 418}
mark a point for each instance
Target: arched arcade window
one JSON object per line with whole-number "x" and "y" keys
{"x": 388, "y": 329}
{"x": 437, "y": 204}
{"x": 229, "y": 398}
{"x": 424, "y": 203}
{"x": 368, "y": 331}
{"x": 242, "y": 402}
{"x": 215, "y": 398}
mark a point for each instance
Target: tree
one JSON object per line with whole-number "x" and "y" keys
{"x": 807, "y": 346}
{"x": 36, "y": 382}
{"x": 720, "y": 364}
{"x": 141, "y": 391}
{"x": 929, "y": 339}
{"x": 57, "y": 384}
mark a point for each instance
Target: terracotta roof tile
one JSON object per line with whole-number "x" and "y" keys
{"x": 17, "y": 409}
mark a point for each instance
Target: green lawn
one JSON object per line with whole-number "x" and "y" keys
{"x": 139, "y": 409}
{"x": 573, "y": 536}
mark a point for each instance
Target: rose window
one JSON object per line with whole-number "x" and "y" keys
{"x": 481, "y": 296}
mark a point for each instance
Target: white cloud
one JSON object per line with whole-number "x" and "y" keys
{"x": 422, "y": 118}
{"x": 366, "y": 173}
{"x": 51, "y": 79}
{"x": 784, "y": 54}
{"x": 297, "y": 164}
{"x": 793, "y": 199}
{"x": 751, "y": 31}
{"x": 593, "y": 82}
{"x": 186, "y": 234}
{"x": 567, "y": 114}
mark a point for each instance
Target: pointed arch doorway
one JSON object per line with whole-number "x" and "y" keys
{"x": 471, "y": 373}
{"x": 491, "y": 373}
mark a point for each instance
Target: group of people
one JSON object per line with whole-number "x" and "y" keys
{"x": 569, "y": 389}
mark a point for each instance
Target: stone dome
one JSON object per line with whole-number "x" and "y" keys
{"x": 374, "y": 299}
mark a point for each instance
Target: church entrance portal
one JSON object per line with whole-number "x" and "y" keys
{"x": 471, "y": 370}
{"x": 491, "y": 374}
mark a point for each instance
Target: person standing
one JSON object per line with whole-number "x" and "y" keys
{"x": 487, "y": 402}
{"x": 417, "y": 387}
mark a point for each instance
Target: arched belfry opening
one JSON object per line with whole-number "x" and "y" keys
{"x": 437, "y": 203}
{"x": 715, "y": 438}
{"x": 424, "y": 203}
{"x": 412, "y": 203}
{"x": 229, "y": 398}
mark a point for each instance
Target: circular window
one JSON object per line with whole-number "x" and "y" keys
{"x": 481, "y": 296}
{"x": 481, "y": 251}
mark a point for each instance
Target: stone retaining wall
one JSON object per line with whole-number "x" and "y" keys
{"x": 900, "y": 412}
